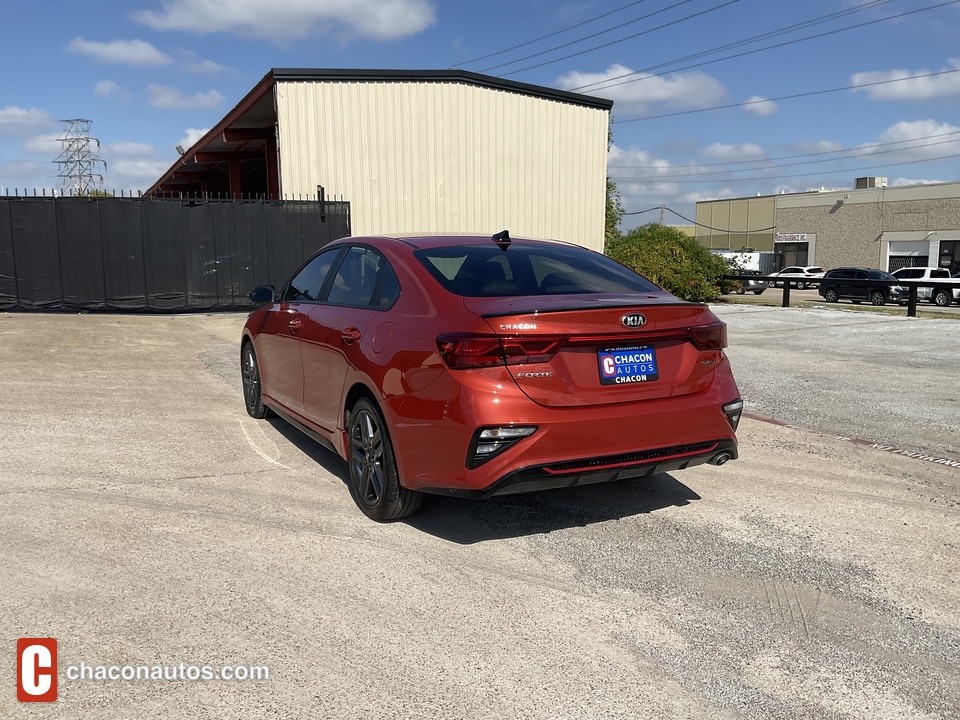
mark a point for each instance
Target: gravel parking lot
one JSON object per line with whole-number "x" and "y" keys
{"x": 148, "y": 521}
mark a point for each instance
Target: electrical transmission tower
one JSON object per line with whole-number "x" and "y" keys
{"x": 78, "y": 159}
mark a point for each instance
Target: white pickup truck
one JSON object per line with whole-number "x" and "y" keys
{"x": 948, "y": 289}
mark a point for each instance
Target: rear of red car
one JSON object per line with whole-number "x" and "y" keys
{"x": 560, "y": 368}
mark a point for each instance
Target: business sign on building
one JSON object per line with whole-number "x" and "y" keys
{"x": 790, "y": 237}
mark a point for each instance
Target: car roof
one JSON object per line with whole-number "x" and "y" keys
{"x": 434, "y": 241}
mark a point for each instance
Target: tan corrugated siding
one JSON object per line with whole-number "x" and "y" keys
{"x": 446, "y": 157}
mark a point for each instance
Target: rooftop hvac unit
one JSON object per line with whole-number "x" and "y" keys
{"x": 865, "y": 183}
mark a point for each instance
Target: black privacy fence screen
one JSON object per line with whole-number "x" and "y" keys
{"x": 133, "y": 254}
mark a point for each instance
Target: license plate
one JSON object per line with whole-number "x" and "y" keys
{"x": 621, "y": 366}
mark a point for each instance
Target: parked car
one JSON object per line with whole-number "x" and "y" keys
{"x": 755, "y": 286}
{"x": 942, "y": 296}
{"x": 797, "y": 271}
{"x": 881, "y": 288}
{"x": 475, "y": 367}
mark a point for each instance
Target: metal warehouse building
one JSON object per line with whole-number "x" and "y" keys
{"x": 412, "y": 152}
{"x": 870, "y": 226}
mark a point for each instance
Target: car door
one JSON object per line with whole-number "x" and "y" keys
{"x": 858, "y": 291}
{"x": 333, "y": 336}
{"x": 281, "y": 367}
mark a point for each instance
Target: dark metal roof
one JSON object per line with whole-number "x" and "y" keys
{"x": 438, "y": 76}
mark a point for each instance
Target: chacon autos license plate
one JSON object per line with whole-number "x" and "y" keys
{"x": 619, "y": 366}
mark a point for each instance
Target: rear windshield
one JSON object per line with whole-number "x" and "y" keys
{"x": 488, "y": 271}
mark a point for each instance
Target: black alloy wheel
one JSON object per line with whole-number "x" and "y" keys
{"x": 250, "y": 373}
{"x": 831, "y": 295}
{"x": 374, "y": 480}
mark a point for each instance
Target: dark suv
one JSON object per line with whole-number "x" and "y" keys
{"x": 876, "y": 286}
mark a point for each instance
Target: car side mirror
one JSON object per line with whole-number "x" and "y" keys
{"x": 263, "y": 294}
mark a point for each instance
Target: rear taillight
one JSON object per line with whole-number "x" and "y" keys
{"x": 471, "y": 351}
{"x": 709, "y": 337}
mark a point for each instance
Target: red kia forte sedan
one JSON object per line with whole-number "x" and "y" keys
{"x": 480, "y": 366}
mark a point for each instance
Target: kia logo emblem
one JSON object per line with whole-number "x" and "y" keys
{"x": 633, "y": 320}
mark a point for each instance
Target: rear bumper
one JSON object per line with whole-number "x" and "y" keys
{"x": 600, "y": 470}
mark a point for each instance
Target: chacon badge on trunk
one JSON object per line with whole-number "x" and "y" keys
{"x": 633, "y": 320}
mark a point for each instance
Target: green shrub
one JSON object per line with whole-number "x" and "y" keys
{"x": 673, "y": 260}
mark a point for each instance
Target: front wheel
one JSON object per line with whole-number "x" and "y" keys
{"x": 374, "y": 480}
{"x": 941, "y": 298}
{"x": 877, "y": 298}
{"x": 801, "y": 286}
{"x": 831, "y": 295}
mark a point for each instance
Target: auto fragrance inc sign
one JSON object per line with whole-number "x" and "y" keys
{"x": 790, "y": 237}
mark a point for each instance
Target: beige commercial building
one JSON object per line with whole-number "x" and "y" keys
{"x": 413, "y": 152}
{"x": 873, "y": 226}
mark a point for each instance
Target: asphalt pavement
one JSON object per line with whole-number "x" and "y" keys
{"x": 147, "y": 520}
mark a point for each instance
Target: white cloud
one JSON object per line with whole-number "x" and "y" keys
{"x": 193, "y": 134}
{"x": 15, "y": 120}
{"x": 125, "y": 52}
{"x": 760, "y": 106}
{"x": 283, "y": 20}
{"x": 19, "y": 171}
{"x": 923, "y": 139}
{"x": 129, "y": 169}
{"x": 108, "y": 88}
{"x": 195, "y": 65}
{"x": 735, "y": 153}
{"x": 128, "y": 149}
{"x": 43, "y": 145}
{"x": 910, "y": 86}
{"x": 819, "y": 146}
{"x": 901, "y": 182}
{"x": 168, "y": 98}
{"x": 677, "y": 90}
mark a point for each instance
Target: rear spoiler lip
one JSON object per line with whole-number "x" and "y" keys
{"x": 598, "y": 306}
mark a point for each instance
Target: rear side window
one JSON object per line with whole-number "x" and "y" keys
{"x": 880, "y": 275}
{"x": 364, "y": 279}
{"x": 481, "y": 271}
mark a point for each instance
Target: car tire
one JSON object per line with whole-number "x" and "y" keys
{"x": 801, "y": 286}
{"x": 758, "y": 292}
{"x": 252, "y": 391}
{"x": 831, "y": 295}
{"x": 941, "y": 298}
{"x": 374, "y": 480}
{"x": 741, "y": 291}
{"x": 878, "y": 298}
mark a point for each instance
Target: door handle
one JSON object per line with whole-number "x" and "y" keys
{"x": 350, "y": 335}
{"x": 295, "y": 324}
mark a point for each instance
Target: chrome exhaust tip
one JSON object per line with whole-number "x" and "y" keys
{"x": 720, "y": 459}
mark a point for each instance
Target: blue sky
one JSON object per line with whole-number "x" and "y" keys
{"x": 152, "y": 74}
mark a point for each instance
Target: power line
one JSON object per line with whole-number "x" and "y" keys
{"x": 779, "y": 177}
{"x": 732, "y": 232}
{"x": 745, "y": 41}
{"x": 791, "y": 157}
{"x": 786, "y": 165}
{"x": 781, "y": 45}
{"x": 787, "y": 97}
{"x": 588, "y": 37}
{"x": 641, "y": 212}
{"x": 549, "y": 35}
{"x": 629, "y": 37}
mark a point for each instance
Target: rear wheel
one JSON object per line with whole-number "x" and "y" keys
{"x": 877, "y": 298}
{"x": 758, "y": 292}
{"x": 831, "y": 295}
{"x": 941, "y": 298}
{"x": 374, "y": 480}
{"x": 250, "y": 373}
{"x": 801, "y": 286}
